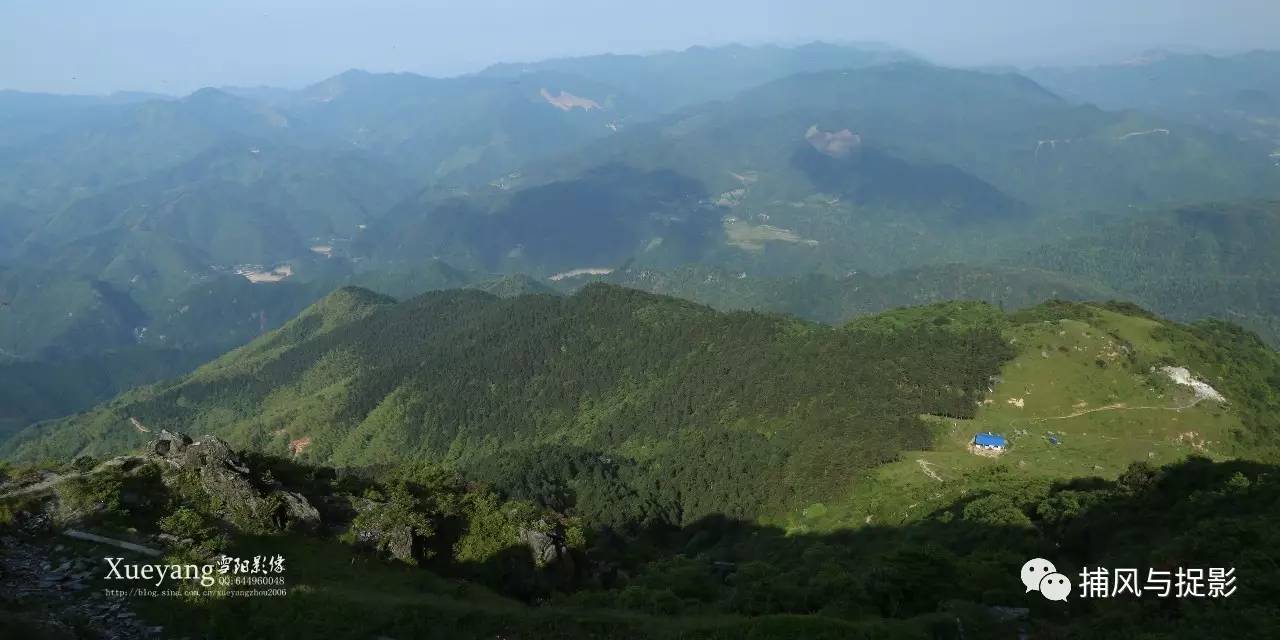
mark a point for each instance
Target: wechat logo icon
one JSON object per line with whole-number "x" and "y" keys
{"x": 1040, "y": 575}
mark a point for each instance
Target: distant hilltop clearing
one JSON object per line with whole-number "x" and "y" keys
{"x": 566, "y": 101}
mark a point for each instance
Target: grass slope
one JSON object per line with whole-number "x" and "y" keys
{"x": 1085, "y": 376}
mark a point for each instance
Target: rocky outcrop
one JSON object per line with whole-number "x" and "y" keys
{"x": 168, "y": 444}
{"x": 248, "y": 503}
{"x": 299, "y": 510}
{"x": 390, "y": 528}
{"x": 837, "y": 144}
{"x": 547, "y": 547}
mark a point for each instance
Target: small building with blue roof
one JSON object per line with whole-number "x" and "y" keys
{"x": 991, "y": 441}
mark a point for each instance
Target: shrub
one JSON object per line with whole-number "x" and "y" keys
{"x": 185, "y": 522}
{"x": 92, "y": 496}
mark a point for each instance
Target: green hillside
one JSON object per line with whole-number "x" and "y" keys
{"x": 31, "y": 391}
{"x": 1213, "y": 260}
{"x": 462, "y": 130}
{"x": 870, "y": 169}
{"x": 153, "y": 315}
{"x": 471, "y": 380}
{"x": 15, "y": 224}
{"x": 1001, "y": 129}
{"x": 657, "y": 380}
{"x": 697, "y": 473}
{"x": 1086, "y": 396}
{"x": 240, "y": 203}
{"x": 124, "y": 144}
{"x": 49, "y": 313}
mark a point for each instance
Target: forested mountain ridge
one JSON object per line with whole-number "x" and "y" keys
{"x": 1001, "y": 128}
{"x": 675, "y": 79}
{"x": 1238, "y": 93}
{"x": 758, "y": 414}
{"x": 1213, "y": 260}
{"x": 875, "y": 168}
{"x": 149, "y": 197}
{"x": 837, "y": 299}
{"x": 786, "y": 406}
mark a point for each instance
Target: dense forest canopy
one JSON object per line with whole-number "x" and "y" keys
{"x": 720, "y": 413}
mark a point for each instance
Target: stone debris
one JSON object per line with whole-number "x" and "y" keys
{"x": 59, "y": 594}
{"x": 1183, "y": 377}
{"x": 45, "y": 582}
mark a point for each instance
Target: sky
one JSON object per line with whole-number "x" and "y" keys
{"x": 177, "y": 46}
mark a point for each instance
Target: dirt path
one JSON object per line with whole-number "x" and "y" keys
{"x": 1119, "y": 406}
{"x": 927, "y": 468}
{"x": 43, "y": 485}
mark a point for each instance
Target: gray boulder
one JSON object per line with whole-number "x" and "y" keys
{"x": 214, "y": 468}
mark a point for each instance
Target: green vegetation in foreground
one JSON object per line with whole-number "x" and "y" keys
{"x": 940, "y": 576}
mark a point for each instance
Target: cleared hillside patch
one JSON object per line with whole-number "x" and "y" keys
{"x": 1083, "y": 398}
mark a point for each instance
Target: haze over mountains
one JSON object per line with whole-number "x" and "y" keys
{"x": 134, "y": 220}
{"x": 1235, "y": 93}
{"x": 825, "y": 181}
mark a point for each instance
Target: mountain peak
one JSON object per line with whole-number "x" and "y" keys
{"x": 211, "y": 95}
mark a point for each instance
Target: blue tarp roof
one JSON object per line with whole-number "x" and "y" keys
{"x": 989, "y": 439}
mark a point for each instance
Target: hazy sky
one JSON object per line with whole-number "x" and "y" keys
{"x": 175, "y": 46}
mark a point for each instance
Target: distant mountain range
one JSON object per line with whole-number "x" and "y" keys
{"x": 825, "y": 181}
{"x": 1238, "y": 93}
